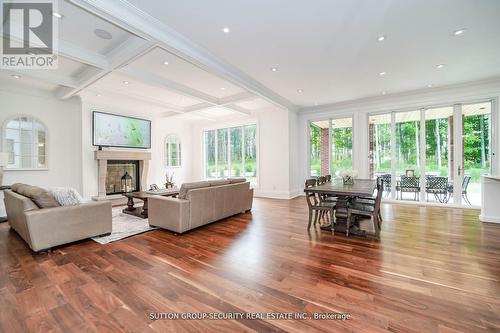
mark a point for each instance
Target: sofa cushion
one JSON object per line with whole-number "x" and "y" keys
{"x": 41, "y": 197}
{"x": 189, "y": 186}
{"x": 219, "y": 182}
{"x": 234, "y": 180}
{"x": 66, "y": 196}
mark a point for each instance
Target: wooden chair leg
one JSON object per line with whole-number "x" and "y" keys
{"x": 310, "y": 219}
{"x": 348, "y": 222}
{"x": 376, "y": 226}
{"x": 316, "y": 215}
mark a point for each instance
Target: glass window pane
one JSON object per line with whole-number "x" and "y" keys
{"x": 379, "y": 127}
{"x": 210, "y": 167}
{"x": 236, "y": 152}
{"x": 341, "y": 141}
{"x": 319, "y": 154}
{"x": 250, "y": 149}
{"x": 222, "y": 154}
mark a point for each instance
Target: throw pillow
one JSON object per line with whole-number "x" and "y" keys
{"x": 66, "y": 196}
{"x": 41, "y": 197}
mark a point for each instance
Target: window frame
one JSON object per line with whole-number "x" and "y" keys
{"x": 167, "y": 156}
{"x": 47, "y": 148}
{"x": 228, "y": 127}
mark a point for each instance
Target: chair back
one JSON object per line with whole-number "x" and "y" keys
{"x": 378, "y": 198}
{"x": 386, "y": 181}
{"x": 328, "y": 178}
{"x": 321, "y": 180}
{"x": 465, "y": 182}
{"x": 437, "y": 183}
{"x": 311, "y": 198}
{"x": 410, "y": 182}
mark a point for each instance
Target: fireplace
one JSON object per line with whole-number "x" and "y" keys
{"x": 118, "y": 170}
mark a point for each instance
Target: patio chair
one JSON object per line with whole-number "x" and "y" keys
{"x": 465, "y": 185}
{"x": 408, "y": 184}
{"x": 386, "y": 183}
{"x": 316, "y": 205}
{"x": 437, "y": 186}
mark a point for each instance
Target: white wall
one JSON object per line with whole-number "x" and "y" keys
{"x": 360, "y": 109}
{"x": 273, "y": 151}
{"x": 62, "y": 119}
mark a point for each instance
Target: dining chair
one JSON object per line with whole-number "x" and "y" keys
{"x": 370, "y": 209}
{"x": 328, "y": 178}
{"x": 321, "y": 180}
{"x": 316, "y": 205}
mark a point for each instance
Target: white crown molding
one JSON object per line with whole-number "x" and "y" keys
{"x": 129, "y": 17}
{"x": 473, "y": 89}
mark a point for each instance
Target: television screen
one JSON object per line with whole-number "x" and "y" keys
{"x": 112, "y": 130}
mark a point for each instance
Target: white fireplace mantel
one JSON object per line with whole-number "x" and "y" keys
{"x": 103, "y": 156}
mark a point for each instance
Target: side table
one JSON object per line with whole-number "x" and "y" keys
{"x": 2, "y": 188}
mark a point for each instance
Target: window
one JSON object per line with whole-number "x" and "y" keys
{"x": 231, "y": 152}
{"x": 25, "y": 140}
{"x": 172, "y": 151}
{"x": 330, "y": 146}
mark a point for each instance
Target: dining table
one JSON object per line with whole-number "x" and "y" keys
{"x": 344, "y": 194}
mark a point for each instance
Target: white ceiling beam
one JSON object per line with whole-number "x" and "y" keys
{"x": 70, "y": 51}
{"x": 125, "y": 53}
{"x": 46, "y": 76}
{"x": 237, "y": 98}
{"x": 237, "y": 108}
{"x": 127, "y": 16}
{"x": 164, "y": 83}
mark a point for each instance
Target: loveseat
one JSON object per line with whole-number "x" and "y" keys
{"x": 201, "y": 203}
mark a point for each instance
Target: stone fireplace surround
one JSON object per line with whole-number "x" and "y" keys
{"x": 103, "y": 156}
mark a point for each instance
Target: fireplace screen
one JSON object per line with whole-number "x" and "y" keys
{"x": 116, "y": 170}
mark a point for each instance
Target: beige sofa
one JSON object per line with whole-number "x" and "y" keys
{"x": 201, "y": 203}
{"x": 44, "y": 228}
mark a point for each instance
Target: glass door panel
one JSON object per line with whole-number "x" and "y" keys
{"x": 236, "y": 152}
{"x": 341, "y": 142}
{"x": 222, "y": 152}
{"x": 439, "y": 163}
{"x": 210, "y": 155}
{"x": 379, "y": 136}
{"x": 319, "y": 136}
{"x": 250, "y": 153}
{"x": 407, "y": 126}
{"x": 476, "y": 143}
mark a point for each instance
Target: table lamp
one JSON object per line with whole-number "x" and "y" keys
{"x": 4, "y": 160}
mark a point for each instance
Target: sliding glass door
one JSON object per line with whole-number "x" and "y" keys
{"x": 330, "y": 143}
{"x": 416, "y": 154}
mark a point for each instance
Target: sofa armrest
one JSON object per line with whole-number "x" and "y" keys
{"x": 169, "y": 213}
{"x": 51, "y": 227}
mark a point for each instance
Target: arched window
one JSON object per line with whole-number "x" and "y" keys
{"x": 25, "y": 141}
{"x": 172, "y": 151}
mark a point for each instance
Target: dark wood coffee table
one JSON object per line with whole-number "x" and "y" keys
{"x": 144, "y": 196}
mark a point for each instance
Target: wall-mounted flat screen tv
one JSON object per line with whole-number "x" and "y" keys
{"x": 111, "y": 130}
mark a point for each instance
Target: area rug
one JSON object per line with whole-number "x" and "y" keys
{"x": 124, "y": 225}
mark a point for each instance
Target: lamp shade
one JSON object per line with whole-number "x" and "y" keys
{"x": 4, "y": 159}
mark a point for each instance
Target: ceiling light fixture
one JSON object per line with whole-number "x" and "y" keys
{"x": 15, "y": 76}
{"x": 103, "y": 34}
{"x": 126, "y": 82}
{"x": 429, "y": 86}
{"x": 226, "y": 30}
{"x": 98, "y": 95}
{"x": 440, "y": 66}
{"x": 383, "y": 92}
{"x": 381, "y": 38}
{"x": 165, "y": 62}
{"x": 59, "y": 16}
{"x": 274, "y": 69}
{"x": 459, "y": 32}
{"x": 382, "y": 73}
{"x": 222, "y": 88}
{"x": 300, "y": 91}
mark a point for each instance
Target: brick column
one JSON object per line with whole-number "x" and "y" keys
{"x": 325, "y": 150}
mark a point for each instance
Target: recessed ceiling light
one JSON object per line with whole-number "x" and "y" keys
{"x": 226, "y": 30}
{"x": 126, "y": 82}
{"x": 459, "y": 32}
{"x": 165, "y": 62}
{"x": 274, "y": 69}
{"x": 383, "y": 92}
{"x": 300, "y": 91}
{"x": 59, "y": 16}
{"x": 222, "y": 88}
{"x": 103, "y": 34}
{"x": 15, "y": 76}
{"x": 382, "y": 73}
{"x": 381, "y": 38}
{"x": 429, "y": 86}
{"x": 440, "y": 66}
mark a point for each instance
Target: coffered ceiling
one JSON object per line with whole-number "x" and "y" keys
{"x": 210, "y": 60}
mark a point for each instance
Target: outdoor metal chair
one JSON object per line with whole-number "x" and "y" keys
{"x": 408, "y": 184}
{"x": 438, "y": 186}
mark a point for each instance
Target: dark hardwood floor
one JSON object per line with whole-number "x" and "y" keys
{"x": 434, "y": 270}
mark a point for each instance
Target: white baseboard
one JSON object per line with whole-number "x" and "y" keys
{"x": 489, "y": 219}
{"x": 284, "y": 195}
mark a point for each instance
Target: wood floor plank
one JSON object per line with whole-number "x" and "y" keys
{"x": 433, "y": 270}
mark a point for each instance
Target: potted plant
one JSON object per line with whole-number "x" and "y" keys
{"x": 169, "y": 183}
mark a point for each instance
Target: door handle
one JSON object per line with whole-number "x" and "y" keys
{"x": 459, "y": 170}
